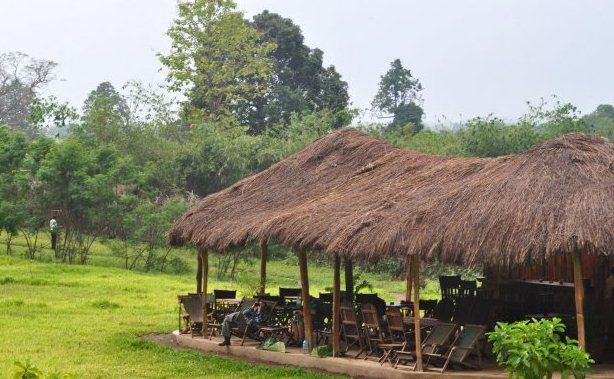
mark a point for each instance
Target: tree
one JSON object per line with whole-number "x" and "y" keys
{"x": 398, "y": 97}
{"x": 13, "y": 181}
{"x": 21, "y": 78}
{"x": 300, "y": 82}
{"x": 601, "y": 121}
{"x": 105, "y": 116}
{"x": 217, "y": 60}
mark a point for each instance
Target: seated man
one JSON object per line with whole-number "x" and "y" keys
{"x": 240, "y": 320}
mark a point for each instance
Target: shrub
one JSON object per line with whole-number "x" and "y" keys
{"x": 534, "y": 350}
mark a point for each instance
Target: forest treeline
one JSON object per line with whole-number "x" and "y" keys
{"x": 241, "y": 95}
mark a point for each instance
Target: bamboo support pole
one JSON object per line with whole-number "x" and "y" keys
{"x": 349, "y": 280}
{"x": 205, "y": 259}
{"x": 336, "y": 306}
{"x": 264, "y": 252}
{"x": 302, "y": 258}
{"x": 579, "y": 296}
{"x": 199, "y": 273}
{"x": 409, "y": 280}
{"x": 415, "y": 267}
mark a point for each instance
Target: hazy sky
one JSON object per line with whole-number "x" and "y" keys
{"x": 473, "y": 57}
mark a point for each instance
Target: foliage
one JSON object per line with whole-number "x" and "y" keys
{"x": 21, "y": 79}
{"x": 217, "y": 59}
{"x": 300, "y": 82}
{"x": 534, "y": 350}
{"x": 398, "y": 97}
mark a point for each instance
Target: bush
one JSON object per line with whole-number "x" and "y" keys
{"x": 534, "y": 350}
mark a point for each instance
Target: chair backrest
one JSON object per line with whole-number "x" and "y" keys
{"x": 225, "y": 294}
{"x": 246, "y": 302}
{"x": 373, "y": 299}
{"x": 194, "y": 307}
{"x": 292, "y": 292}
{"x": 444, "y": 310}
{"x": 370, "y": 317}
{"x": 439, "y": 335}
{"x": 267, "y": 308}
{"x": 468, "y": 288}
{"x": 348, "y": 314}
{"x": 466, "y": 340}
{"x": 449, "y": 285}
{"x": 396, "y": 326}
{"x": 276, "y": 299}
{"x": 428, "y": 306}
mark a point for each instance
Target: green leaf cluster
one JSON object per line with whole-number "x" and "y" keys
{"x": 535, "y": 350}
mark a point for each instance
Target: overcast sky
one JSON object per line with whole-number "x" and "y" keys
{"x": 473, "y": 57}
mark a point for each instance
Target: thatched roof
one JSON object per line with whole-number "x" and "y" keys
{"x": 389, "y": 201}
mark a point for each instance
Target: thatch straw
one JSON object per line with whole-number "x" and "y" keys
{"x": 514, "y": 209}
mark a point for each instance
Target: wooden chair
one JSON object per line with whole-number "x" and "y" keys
{"x": 225, "y": 294}
{"x": 428, "y": 306}
{"x": 184, "y": 318}
{"x": 466, "y": 342}
{"x": 399, "y": 335}
{"x": 246, "y": 302}
{"x": 468, "y": 288}
{"x": 264, "y": 328}
{"x": 351, "y": 329}
{"x": 373, "y": 330}
{"x": 444, "y": 310}
{"x": 440, "y": 336}
{"x": 193, "y": 305}
{"x": 449, "y": 285}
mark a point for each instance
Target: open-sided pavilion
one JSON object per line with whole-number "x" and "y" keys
{"x": 357, "y": 198}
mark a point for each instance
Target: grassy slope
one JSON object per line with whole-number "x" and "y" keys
{"x": 86, "y": 320}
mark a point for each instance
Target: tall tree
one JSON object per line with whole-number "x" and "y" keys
{"x": 300, "y": 81}
{"x": 398, "y": 97}
{"x": 21, "y": 78}
{"x": 105, "y": 115}
{"x": 217, "y": 59}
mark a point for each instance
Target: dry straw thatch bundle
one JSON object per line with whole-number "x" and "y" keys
{"x": 352, "y": 194}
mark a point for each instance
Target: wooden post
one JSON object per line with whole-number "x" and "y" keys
{"x": 349, "y": 280}
{"x": 578, "y": 283}
{"x": 302, "y": 259}
{"x": 409, "y": 279}
{"x": 199, "y": 272}
{"x": 415, "y": 267}
{"x": 336, "y": 306}
{"x": 205, "y": 258}
{"x": 264, "y": 251}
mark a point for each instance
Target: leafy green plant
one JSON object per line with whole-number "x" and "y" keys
{"x": 26, "y": 370}
{"x": 534, "y": 350}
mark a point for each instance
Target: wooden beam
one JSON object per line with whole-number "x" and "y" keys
{"x": 409, "y": 279}
{"x": 578, "y": 283}
{"x": 415, "y": 268}
{"x": 264, "y": 252}
{"x": 199, "y": 273}
{"x": 349, "y": 279}
{"x": 336, "y": 306}
{"x": 205, "y": 259}
{"x": 302, "y": 259}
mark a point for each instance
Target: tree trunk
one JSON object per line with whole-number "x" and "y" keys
{"x": 264, "y": 251}
{"x": 336, "y": 307}
{"x": 302, "y": 258}
{"x": 578, "y": 278}
{"x": 205, "y": 268}
{"x": 349, "y": 280}
{"x": 415, "y": 267}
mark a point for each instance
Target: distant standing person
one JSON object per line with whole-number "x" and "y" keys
{"x": 53, "y": 228}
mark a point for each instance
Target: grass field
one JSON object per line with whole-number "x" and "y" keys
{"x": 87, "y": 320}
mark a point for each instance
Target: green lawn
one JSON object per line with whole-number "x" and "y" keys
{"x": 86, "y": 320}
